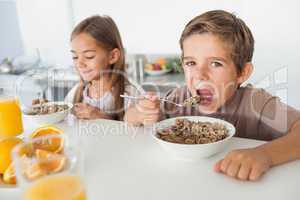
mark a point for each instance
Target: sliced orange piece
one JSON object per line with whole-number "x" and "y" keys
{"x": 43, "y": 154}
{"x": 51, "y": 144}
{"x": 50, "y": 162}
{"x": 6, "y": 145}
{"x": 9, "y": 176}
{"x": 34, "y": 171}
{"x": 31, "y": 170}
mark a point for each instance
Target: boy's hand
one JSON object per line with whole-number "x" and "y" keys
{"x": 145, "y": 112}
{"x": 148, "y": 109}
{"x": 86, "y": 111}
{"x": 245, "y": 164}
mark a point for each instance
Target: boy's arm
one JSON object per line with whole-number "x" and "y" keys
{"x": 286, "y": 148}
{"x": 251, "y": 164}
{"x": 277, "y": 120}
{"x": 131, "y": 116}
{"x": 146, "y": 111}
{"x": 283, "y": 122}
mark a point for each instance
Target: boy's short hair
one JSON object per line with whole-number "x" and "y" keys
{"x": 229, "y": 29}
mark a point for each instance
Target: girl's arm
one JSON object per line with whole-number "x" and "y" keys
{"x": 86, "y": 111}
{"x": 98, "y": 114}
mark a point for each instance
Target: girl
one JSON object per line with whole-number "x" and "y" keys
{"x": 98, "y": 56}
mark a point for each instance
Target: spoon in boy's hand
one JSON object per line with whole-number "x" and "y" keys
{"x": 144, "y": 97}
{"x": 192, "y": 101}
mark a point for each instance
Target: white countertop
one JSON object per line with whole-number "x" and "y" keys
{"x": 128, "y": 164}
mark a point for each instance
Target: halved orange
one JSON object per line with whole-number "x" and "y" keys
{"x": 51, "y": 144}
{"x": 46, "y": 130}
{"x": 50, "y": 162}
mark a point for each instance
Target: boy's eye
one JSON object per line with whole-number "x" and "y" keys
{"x": 74, "y": 58}
{"x": 216, "y": 64}
{"x": 189, "y": 63}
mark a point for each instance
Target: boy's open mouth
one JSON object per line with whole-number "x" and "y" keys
{"x": 206, "y": 96}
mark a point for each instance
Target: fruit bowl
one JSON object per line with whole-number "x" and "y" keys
{"x": 158, "y": 67}
{"x": 157, "y": 72}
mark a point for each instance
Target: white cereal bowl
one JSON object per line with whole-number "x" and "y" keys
{"x": 52, "y": 118}
{"x": 193, "y": 152}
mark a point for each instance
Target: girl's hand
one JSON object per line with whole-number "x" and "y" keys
{"x": 86, "y": 111}
{"x": 245, "y": 164}
{"x": 146, "y": 111}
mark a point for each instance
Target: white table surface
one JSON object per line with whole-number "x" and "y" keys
{"x": 126, "y": 163}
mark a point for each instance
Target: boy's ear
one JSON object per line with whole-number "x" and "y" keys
{"x": 246, "y": 73}
{"x": 114, "y": 56}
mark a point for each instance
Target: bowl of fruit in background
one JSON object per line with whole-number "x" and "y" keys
{"x": 161, "y": 65}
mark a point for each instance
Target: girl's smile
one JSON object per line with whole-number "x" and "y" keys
{"x": 86, "y": 74}
{"x": 89, "y": 58}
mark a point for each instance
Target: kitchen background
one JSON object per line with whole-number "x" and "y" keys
{"x": 35, "y": 41}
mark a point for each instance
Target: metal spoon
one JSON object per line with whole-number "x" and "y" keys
{"x": 143, "y": 97}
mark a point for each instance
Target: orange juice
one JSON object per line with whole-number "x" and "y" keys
{"x": 10, "y": 117}
{"x": 57, "y": 187}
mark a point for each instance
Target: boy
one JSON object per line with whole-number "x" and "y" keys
{"x": 217, "y": 49}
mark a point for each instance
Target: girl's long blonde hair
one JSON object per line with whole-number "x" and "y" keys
{"x": 104, "y": 30}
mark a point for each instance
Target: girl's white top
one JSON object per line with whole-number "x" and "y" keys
{"x": 106, "y": 103}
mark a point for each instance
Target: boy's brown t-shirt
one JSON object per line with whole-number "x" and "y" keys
{"x": 255, "y": 113}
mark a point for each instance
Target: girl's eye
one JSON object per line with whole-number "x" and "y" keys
{"x": 189, "y": 63}
{"x": 74, "y": 58}
{"x": 216, "y": 64}
{"x": 89, "y": 57}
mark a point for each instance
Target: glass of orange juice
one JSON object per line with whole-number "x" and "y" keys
{"x": 49, "y": 168}
{"x": 10, "y": 116}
